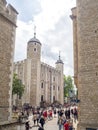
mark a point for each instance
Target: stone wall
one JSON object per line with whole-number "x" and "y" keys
{"x": 12, "y": 126}
{"x": 23, "y": 71}
{"x": 7, "y": 39}
{"x": 87, "y": 38}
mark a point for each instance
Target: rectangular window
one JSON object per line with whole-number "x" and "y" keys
{"x": 53, "y": 98}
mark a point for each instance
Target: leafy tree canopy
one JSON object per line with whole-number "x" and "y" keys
{"x": 17, "y": 87}
{"x": 68, "y": 85}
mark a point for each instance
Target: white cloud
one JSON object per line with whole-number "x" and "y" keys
{"x": 52, "y": 11}
{"x": 54, "y": 30}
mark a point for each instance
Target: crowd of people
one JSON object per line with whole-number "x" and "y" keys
{"x": 65, "y": 117}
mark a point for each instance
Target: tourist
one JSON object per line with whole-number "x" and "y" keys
{"x": 27, "y": 125}
{"x": 70, "y": 125}
{"x": 66, "y": 125}
{"x": 60, "y": 122}
{"x": 38, "y": 117}
{"x": 55, "y": 112}
{"x": 42, "y": 121}
{"x": 75, "y": 114}
{"x": 40, "y": 128}
{"x": 34, "y": 118}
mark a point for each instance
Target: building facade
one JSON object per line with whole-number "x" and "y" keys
{"x": 42, "y": 81}
{"x": 85, "y": 39}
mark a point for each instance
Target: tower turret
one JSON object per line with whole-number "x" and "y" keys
{"x": 34, "y": 53}
{"x": 34, "y": 48}
{"x": 59, "y": 66}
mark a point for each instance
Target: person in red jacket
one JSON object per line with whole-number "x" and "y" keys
{"x": 66, "y": 125}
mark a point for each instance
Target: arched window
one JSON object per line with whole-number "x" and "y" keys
{"x": 42, "y": 98}
{"x": 42, "y": 85}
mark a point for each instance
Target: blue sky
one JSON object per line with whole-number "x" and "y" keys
{"x": 53, "y": 29}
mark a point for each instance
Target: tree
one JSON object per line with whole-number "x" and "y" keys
{"x": 68, "y": 86}
{"x": 17, "y": 87}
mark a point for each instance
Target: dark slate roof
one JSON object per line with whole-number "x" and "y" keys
{"x": 35, "y": 40}
{"x": 59, "y": 61}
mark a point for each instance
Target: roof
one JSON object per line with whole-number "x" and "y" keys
{"x": 59, "y": 61}
{"x": 34, "y": 40}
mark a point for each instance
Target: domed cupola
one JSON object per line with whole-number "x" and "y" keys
{"x": 60, "y": 65}
{"x": 34, "y": 48}
{"x": 59, "y": 60}
{"x": 34, "y": 39}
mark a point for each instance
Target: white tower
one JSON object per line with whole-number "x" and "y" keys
{"x": 34, "y": 53}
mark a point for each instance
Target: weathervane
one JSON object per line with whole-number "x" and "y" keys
{"x": 34, "y": 31}
{"x": 59, "y": 55}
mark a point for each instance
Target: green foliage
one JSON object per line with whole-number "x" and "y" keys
{"x": 17, "y": 87}
{"x": 68, "y": 85}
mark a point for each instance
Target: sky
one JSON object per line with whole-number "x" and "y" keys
{"x": 53, "y": 28}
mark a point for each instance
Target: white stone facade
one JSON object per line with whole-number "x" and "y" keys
{"x": 42, "y": 81}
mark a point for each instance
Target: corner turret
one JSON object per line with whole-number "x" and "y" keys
{"x": 59, "y": 67}
{"x": 59, "y": 60}
{"x": 59, "y": 63}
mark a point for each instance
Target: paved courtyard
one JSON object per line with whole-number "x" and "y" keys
{"x": 49, "y": 125}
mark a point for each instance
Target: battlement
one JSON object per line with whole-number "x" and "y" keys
{"x": 8, "y": 11}
{"x": 20, "y": 62}
{"x": 50, "y": 67}
{"x": 74, "y": 13}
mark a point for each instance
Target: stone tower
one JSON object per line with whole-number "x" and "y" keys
{"x": 8, "y": 17}
{"x": 75, "y": 44}
{"x": 87, "y": 39}
{"x": 34, "y": 53}
{"x": 59, "y": 66}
